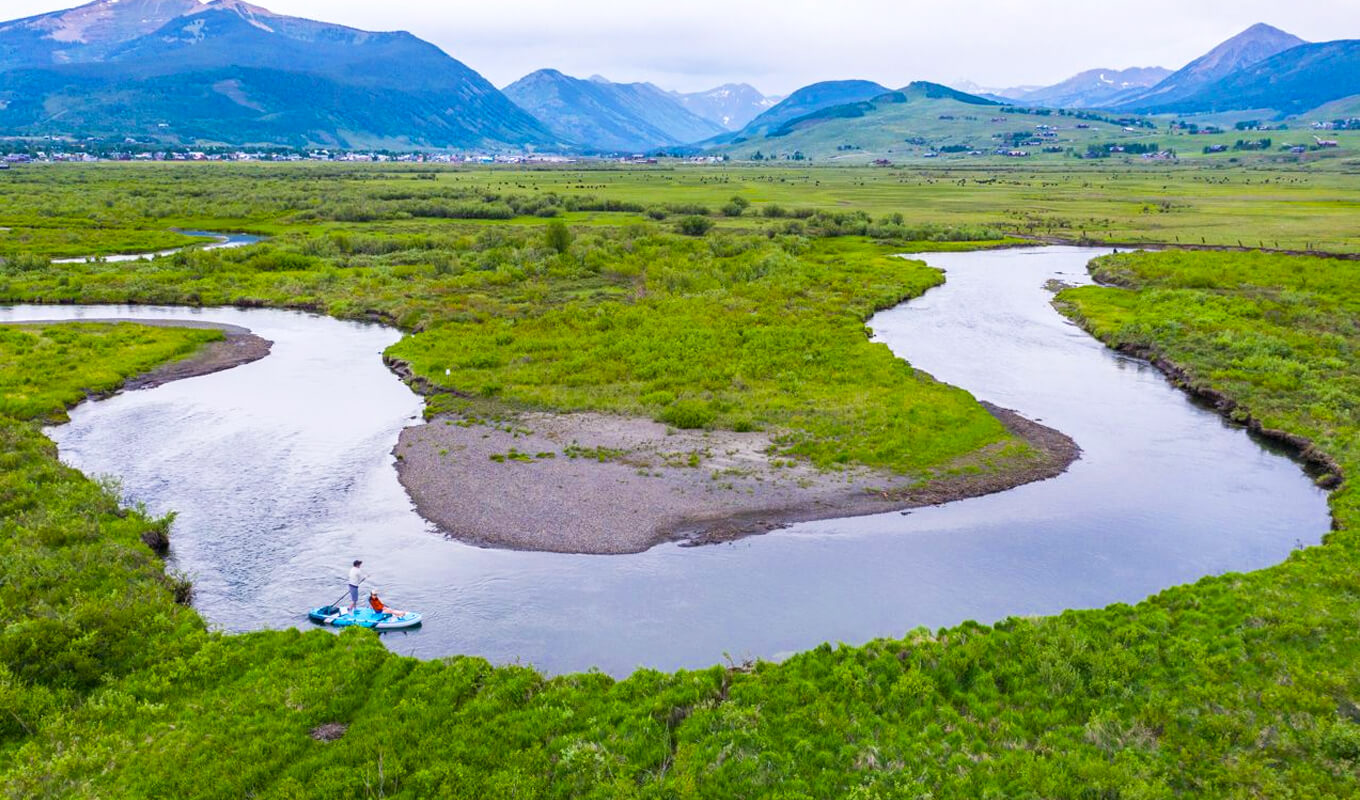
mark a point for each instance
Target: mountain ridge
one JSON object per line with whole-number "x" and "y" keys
{"x": 1094, "y": 87}
{"x": 732, "y": 105}
{"x": 1251, "y": 46}
{"x": 86, "y": 70}
{"x": 598, "y": 114}
{"x": 1294, "y": 81}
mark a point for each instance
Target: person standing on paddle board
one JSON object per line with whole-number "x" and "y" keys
{"x": 356, "y": 577}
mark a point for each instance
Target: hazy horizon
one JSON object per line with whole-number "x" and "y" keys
{"x": 779, "y": 47}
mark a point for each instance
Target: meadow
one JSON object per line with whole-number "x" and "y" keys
{"x": 1237, "y": 686}
{"x": 61, "y": 210}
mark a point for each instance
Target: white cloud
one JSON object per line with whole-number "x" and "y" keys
{"x": 779, "y": 45}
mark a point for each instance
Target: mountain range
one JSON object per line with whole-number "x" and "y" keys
{"x": 1294, "y": 81}
{"x": 1094, "y": 88}
{"x": 731, "y": 105}
{"x": 1261, "y": 69}
{"x": 597, "y": 114}
{"x": 1252, "y": 46}
{"x": 916, "y": 117}
{"x": 227, "y": 72}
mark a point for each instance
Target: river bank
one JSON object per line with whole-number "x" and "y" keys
{"x": 608, "y": 485}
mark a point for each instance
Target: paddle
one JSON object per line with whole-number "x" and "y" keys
{"x": 336, "y": 603}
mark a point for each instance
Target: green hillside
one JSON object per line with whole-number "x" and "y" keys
{"x": 811, "y": 99}
{"x": 929, "y": 122}
{"x": 1345, "y": 108}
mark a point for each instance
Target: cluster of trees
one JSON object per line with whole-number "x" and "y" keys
{"x": 1121, "y": 148}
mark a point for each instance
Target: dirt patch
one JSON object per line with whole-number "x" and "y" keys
{"x": 330, "y": 732}
{"x": 600, "y": 484}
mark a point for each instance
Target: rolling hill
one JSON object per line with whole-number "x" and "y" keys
{"x": 232, "y": 73}
{"x": 810, "y": 99}
{"x": 1252, "y": 46}
{"x": 929, "y": 121}
{"x": 919, "y": 118}
{"x": 1346, "y": 108}
{"x": 601, "y": 116}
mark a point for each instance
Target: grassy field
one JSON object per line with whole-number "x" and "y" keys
{"x": 1237, "y": 686}
{"x": 71, "y": 210}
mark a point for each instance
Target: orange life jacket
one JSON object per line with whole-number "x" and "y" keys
{"x": 376, "y": 603}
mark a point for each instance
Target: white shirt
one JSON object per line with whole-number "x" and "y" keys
{"x": 355, "y": 576}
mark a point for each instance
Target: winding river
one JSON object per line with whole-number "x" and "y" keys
{"x": 220, "y": 241}
{"x": 281, "y": 472}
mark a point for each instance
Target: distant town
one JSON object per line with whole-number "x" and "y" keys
{"x": 1022, "y": 144}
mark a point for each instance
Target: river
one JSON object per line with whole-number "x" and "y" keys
{"x": 220, "y": 241}
{"x": 281, "y": 473}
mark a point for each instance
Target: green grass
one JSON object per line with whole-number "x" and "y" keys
{"x": 1238, "y": 686}
{"x": 767, "y": 337}
{"x": 1257, "y": 202}
{"x": 80, "y": 593}
{"x": 45, "y": 369}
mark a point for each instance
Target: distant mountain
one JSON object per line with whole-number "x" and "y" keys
{"x": 1292, "y": 82}
{"x": 1094, "y": 88}
{"x": 916, "y": 118}
{"x": 608, "y": 117}
{"x": 810, "y": 99}
{"x": 229, "y": 72}
{"x": 1011, "y": 94}
{"x": 732, "y": 106}
{"x": 1252, "y": 46}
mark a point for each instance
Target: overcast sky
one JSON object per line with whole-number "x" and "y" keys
{"x": 780, "y": 45}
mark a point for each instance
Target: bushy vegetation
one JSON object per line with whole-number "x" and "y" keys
{"x": 80, "y": 591}
{"x": 70, "y": 210}
{"x": 1238, "y": 686}
{"x": 723, "y": 333}
{"x": 729, "y": 330}
{"x": 1242, "y": 685}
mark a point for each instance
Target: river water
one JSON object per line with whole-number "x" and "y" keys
{"x": 281, "y": 473}
{"x": 220, "y": 241}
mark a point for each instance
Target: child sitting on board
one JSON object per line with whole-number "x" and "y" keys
{"x": 379, "y": 607}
